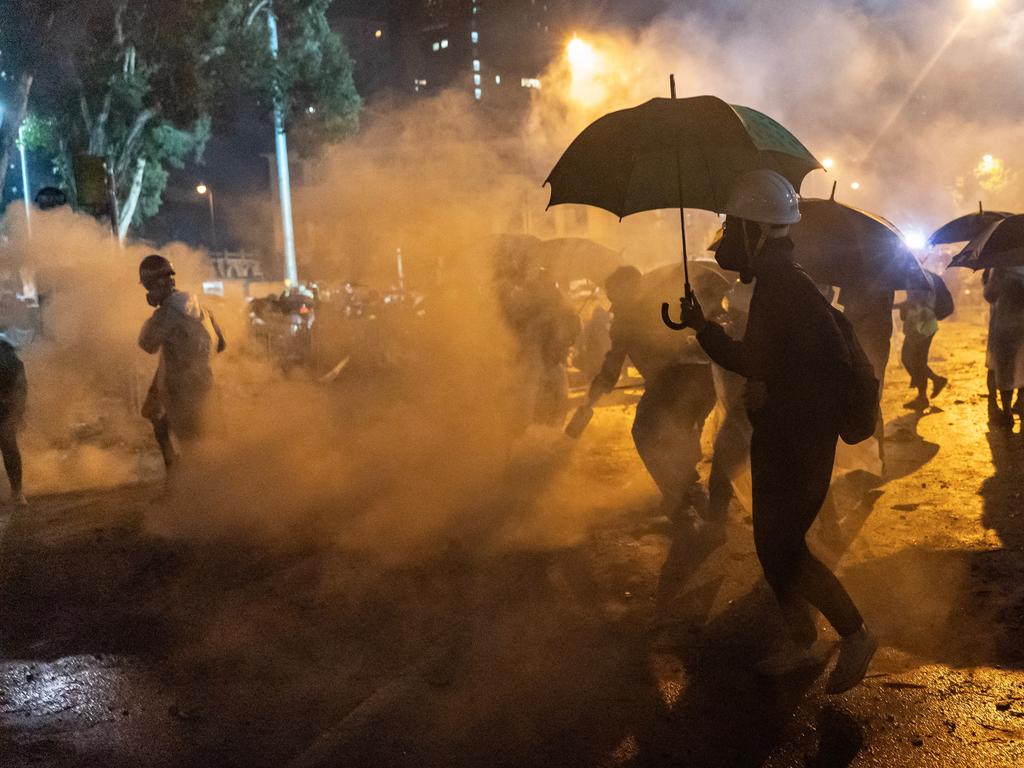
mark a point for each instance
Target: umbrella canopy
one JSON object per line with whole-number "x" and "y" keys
{"x": 965, "y": 228}
{"x": 844, "y": 246}
{"x": 673, "y": 153}
{"x": 1001, "y": 245}
{"x": 574, "y": 258}
{"x": 709, "y": 284}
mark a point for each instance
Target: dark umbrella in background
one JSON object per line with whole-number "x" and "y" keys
{"x": 966, "y": 228}
{"x": 673, "y": 153}
{"x": 1001, "y": 245}
{"x": 845, "y": 246}
{"x": 574, "y": 258}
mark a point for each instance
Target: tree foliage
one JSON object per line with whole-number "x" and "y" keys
{"x": 137, "y": 81}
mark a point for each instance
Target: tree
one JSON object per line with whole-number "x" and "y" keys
{"x": 138, "y": 82}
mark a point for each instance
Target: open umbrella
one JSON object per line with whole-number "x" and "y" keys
{"x": 965, "y": 228}
{"x": 673, "y": 153}
{"x": 1001, "y": 245}
{"x": 574, "y": 258}
{"x": 845, "y": 246}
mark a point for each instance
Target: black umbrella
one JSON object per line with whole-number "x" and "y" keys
{"x": 574, "y": 258}
{"x": 965, "y": 228}
{"x": 1001, "y": 245}
{"x": 845, "y": 246}
{"x": 673, "y": 153}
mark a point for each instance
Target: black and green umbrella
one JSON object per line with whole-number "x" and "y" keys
{"x": 966, "y": 228}
{"x": 674, "y": 153}
{"x": 1001, "y": 245}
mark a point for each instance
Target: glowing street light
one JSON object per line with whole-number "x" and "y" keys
{"x": 582, "y": 56}
{"x": 914, "y": 239}
{"x": 203, "y": 190}
{"x": 827, "y": 163}
{"x": 982, "y": 5}
{"x": 855, "y": 186}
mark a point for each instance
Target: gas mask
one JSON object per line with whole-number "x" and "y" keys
{"x": 740, "y": 238}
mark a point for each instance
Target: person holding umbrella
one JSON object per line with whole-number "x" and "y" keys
{"x": 1004, "y": 291}
{"x": 795, "y": 357}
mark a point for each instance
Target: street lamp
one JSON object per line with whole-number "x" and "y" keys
{"x": 827, "y": 163}
{"x": 203, "y": 190}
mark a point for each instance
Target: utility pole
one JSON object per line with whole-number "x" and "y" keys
{"x": 284, "y": 184}
{"x": 24, "y": 179}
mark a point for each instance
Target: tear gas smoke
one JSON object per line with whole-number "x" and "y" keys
{"x": 397, "y": 461}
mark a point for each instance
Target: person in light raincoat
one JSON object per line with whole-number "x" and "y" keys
{"x": 185, "y": 334}
{"x": 1004, "y": 291}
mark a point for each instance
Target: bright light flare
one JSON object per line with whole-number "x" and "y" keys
{"x": 201, "y": 188}
{"x": 982, "y": 5}
{"x": 582, "y": 57}
{"x": 855, "y": 186}
{"x": 915, "y": 239}
{"x": 827, "y": 163}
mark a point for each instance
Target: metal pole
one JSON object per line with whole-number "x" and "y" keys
{"x": 24, "y": 179}
{"x": 213, "y": 221}
{"x": 284, "y": 185}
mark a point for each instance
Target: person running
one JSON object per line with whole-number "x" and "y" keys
{"x": 795, "y": 359}
{"x": 13, "y": 395}
{"x": 678, "y": 393}
{"x": 919, "y": 328}
{"x": 1004, "y": 291}
{"x": 182, "y": 331}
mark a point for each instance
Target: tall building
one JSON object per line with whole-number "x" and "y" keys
{"x": 494, "y": 49}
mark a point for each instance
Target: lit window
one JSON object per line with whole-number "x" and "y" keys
{"x": 378, "y": 34}
{"x": 474, "y": 36}
{"x": 477, "y": 93}
{"x": 497, "y": 79}
{"x": 476, "y": 79}
{"x": 436, "y": 46}
{"x": 476, "y": 65}
{"x": 444, "y": 43}
{"x": 530, "y": 82}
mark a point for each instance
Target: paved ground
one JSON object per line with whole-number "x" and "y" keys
{"x": 631, "y": 647}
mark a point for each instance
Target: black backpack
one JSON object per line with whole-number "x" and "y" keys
{"x": 943, "y": 298}
{"x": 860, "y": 388}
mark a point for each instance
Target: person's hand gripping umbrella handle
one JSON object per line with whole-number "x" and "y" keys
{"x": 691, "y": 314}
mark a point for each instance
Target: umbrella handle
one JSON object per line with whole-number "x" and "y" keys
{"x": 667, "y": 318}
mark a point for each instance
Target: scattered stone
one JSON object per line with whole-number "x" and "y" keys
{"x": 918, "y": 742}
{"x": 906, "y": 507}
{"x": 1003, "y": 706}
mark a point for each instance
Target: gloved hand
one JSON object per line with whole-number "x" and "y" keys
{"x": 692, "y": 314}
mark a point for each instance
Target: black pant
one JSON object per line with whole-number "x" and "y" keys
{"x": 791, "y": 463}
{"x": 11, "y": 452}
{"x": 914, "y": 357}
{"x": 668, "y": 424}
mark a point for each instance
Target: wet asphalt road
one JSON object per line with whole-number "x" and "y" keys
{"x": 632, "y": 647}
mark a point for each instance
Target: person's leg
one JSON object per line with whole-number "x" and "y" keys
{"x": 648, "y": 424}
{"x": 162, "y": 433}
{"x": 915, "y": 360}
{"x": 12, "y": 458}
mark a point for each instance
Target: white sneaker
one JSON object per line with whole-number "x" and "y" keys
{"x": 855, "y": 654}
{"x": 792, "y": 658}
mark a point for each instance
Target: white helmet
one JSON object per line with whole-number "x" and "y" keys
{"x": 765, "y": 197}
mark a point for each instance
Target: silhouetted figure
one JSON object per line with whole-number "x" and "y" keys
{"x": 919, "y": 328}
{"x": 795, "y": 360}
{"x": 183, "y": 332}
{"x": 545, "y": 327}
{"x": 869, "y": 310}
{"x": 13, "y": 394}
{"x": 678, "y": 392}
{"x": 1004, "y": 291}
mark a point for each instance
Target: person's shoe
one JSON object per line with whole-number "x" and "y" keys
{"x": 938, "y": 385}
{"x": 999, "y": 418}
{"x": 919, "y": 403}
{"x": 792, "y": 658}
{"x": 855, "y": 653}
{"x": 19, "y": 500}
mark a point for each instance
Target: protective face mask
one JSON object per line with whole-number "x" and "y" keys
{"x": 732, "y": 250}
